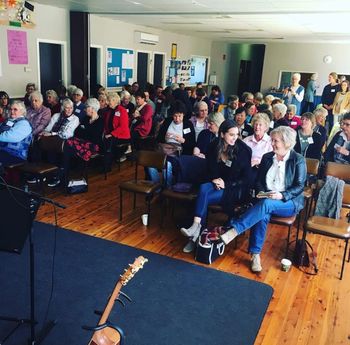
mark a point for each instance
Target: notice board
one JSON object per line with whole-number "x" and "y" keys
{"x": 120, "y": 66}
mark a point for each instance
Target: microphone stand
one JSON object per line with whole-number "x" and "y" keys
{"x": 35, "y": 201}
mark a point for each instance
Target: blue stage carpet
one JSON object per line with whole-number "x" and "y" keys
{"x": 174, "y": 302}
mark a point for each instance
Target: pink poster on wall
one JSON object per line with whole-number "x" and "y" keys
{"x": 17, "y": 47}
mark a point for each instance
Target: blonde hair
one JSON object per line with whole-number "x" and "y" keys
{"x": 113, "y": 95}
{"x": 287, "y": 134}
{"x": 262, "y": 117}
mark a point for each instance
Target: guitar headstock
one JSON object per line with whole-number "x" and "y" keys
{"x": 132, "y": 270}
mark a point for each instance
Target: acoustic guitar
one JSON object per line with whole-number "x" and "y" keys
{"x": 106, "y": 334}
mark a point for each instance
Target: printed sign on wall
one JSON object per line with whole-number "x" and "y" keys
{"x": 17, "y": 48}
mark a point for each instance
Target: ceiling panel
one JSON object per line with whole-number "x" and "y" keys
{"x": 308, "y": 20}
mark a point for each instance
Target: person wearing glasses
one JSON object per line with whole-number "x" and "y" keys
{"x": 339, "y": 148}
{"x": 15, "y": 136}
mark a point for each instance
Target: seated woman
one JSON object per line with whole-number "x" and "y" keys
{"x": 250, "y": 110}
{"x": 116, "y": 129}
{"x": 339, "y": 148}
{"x": 4, "y": 106}
{"x": 15, "y": 136}
{"x": 177, "y": 131}
{"x": 208, "y": 135}
{"x": 30, "y": 87}
{"x": 200, "y": 119}
{"x": 127, "y": 104}
{"x": 215, "y": 98}
{"x": 283, "y": 173}
{"x": 87, "y": 139}
{"x": 293, "y": 120}
{"x": 244, "y": 129}
{"x": 53, "y": 102}
{"x": 60, "y": 128}
{"x": 321, "y": 115}
{"x": 229, "y": 171}
{"x": 38, "y": 115}
{"x": 259, "y": 142}
{"x": 341, "y": 104}
{"x": 279, "y": 110}
{"x": 142, "y": 119}
{"x": 308, "y": 143}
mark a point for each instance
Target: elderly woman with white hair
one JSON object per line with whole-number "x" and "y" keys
{"x": 279, "y": 187}
{"x": 279, "y": 111}
{"x": 320, "y": 116}
{"x": 87, "y": 139}
{"x": 38, "y": 115}
{"x": 294, "y": 94}
{"x": 260, "y": 141}
{"x": 127, "y": 103}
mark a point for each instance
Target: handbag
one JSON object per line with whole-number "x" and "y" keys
{"x": 77, "y": 186}
{"x": 172, "y": 150}
{"x": 209, "y": 246}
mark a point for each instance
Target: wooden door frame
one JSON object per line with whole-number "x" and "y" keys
{"x": 63, "y": 44}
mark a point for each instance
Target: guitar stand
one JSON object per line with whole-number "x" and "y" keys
{"x": 108, "y": 324}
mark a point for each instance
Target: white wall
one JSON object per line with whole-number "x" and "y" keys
{"x": 304, "y": 57}
{"x": 52, "y": 23}
{"x": 107, "y": 32}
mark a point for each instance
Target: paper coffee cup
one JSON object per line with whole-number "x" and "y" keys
{"x": 285, "y": 265}
{"x": 144, "y": 218}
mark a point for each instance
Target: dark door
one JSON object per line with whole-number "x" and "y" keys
{"x": 244, "y": 76}
{"x": 142, "y": 69}
{"x": 93, "y": 70}
{"x": 158, "y": 66}
{"x": 50, "y": 66}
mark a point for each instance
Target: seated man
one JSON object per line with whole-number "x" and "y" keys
{"x": 79, "y": 106}
{"x": 15, "y": 136}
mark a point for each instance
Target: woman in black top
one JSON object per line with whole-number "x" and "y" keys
{"x": 229, "y": 172}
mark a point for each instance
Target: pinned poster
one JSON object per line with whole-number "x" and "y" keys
{"x": 17, "y": 48}
{"x": 128, "y": 61}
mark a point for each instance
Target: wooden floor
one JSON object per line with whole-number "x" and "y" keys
{"x": 312, "y": 310}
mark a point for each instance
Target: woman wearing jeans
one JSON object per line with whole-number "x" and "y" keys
{"x": 282, "y": 173}
{"x": 228, "y": 162}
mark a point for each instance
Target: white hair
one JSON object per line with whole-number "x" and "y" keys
{"x": 287, "y": 134}
{"x": 298, "y": 75}
{"x": 36, "y": 94}
{"x": 281, "y": 108}
{"x": 93, "y": 103}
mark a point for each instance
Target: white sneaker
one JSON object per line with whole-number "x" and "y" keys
{"x": 192, "y": 231}
{"x": 128, "y": 150}
{"x": 256, "y": 263}
{"x": 189, "y": 247}
{"x": 229, "y": 236}
{"x": 121, "y": 159}
{"x": 54, "y": 183}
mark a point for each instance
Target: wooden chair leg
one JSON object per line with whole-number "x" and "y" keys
{"x": 288, "y": 240}
{"x": 344, "y": 256}
{"x": 134, "y": 201}
{"x": 120, "y": 204}
{"x": 149, "y": 210}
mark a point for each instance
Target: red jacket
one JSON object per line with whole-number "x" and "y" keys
{"x": 145, "y": 121}
{"x": 119, "y": 120}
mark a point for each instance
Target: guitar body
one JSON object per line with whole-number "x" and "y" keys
{"x": 105, "y": 336}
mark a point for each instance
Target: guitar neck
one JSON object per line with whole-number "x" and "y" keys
{"x": 110, "y": 303}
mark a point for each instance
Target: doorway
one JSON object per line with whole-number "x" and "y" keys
{"x": 95, "y": 69}
{"x": 50, "y": 66}
{"x": 142, "y": 69}
{"x": 244, "y": 76}
{"x": 158, "y": 69}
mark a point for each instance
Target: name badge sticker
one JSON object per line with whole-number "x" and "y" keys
{"x": 310, "y": 140}
{"x": 77, "y": 111}
{"x": 272, "y": 124}
{"x": 228, "y": 163}
{"x": 332, "y": 90}
{"x": 10, "y": 123}
{"x": 187, "y": 130}
{"x": 293, "y": 123}
{"x": 117, "y": 113}
{"x": 244, "y": 133}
